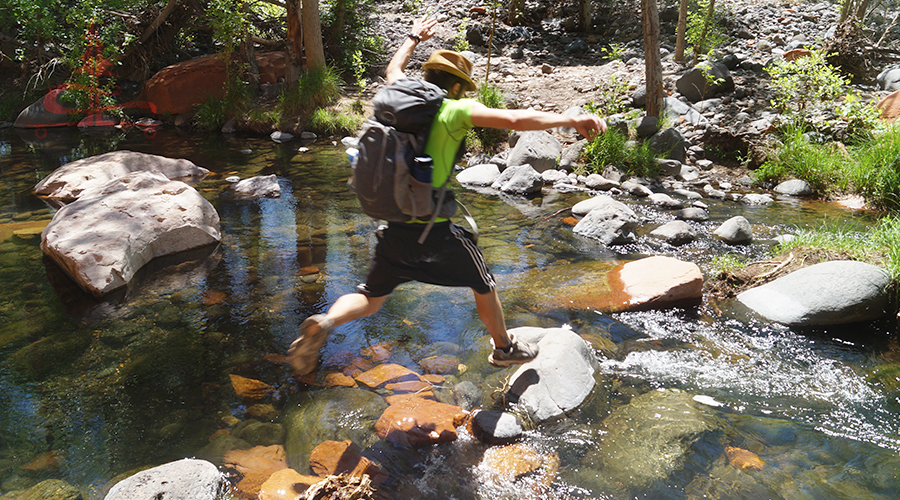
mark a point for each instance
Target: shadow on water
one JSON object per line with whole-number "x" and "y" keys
{"x": 93, "y": 388}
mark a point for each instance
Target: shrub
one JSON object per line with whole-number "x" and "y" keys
{"x": 614, "y": 148}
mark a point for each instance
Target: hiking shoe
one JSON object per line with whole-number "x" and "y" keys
{"x": 304, "y": 352}
{"x": 519, "y": 352}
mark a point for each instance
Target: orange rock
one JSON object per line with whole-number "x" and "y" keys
{"x": 890, "y": 106}
{"x": 362, "y": 363}
{"x": 793, "y": 55}
{"x": 286, "y": 484}
{"x": 511, "y": 462}
{"x": 570, "y": 221}
{"x": 408, "y": 386}
{"x": 262, "y": 412}
{"x": 434, "y": 379}
{"x": 378, "y": 353}
{"x": 277, "y": 359}
{"x": 250, "y": 389}
{"x": 332, "y": 458}
{"x": 255, "y": 466}
{"x": 339, "y": 380}
{"x": 439, "y": 364}
{"x": 740, "y": 458}
{"x": 306, "y": 271}
{"x": 49, "y": 460}
{"x": 212, "y": 297}
{"x": 383, "y": 374}
{"x": 394, "y": 399}
{"x": 420, "y": 422}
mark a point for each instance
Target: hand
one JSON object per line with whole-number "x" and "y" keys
{"x": 424, "y": 28}
{"x": 590, "y": 126}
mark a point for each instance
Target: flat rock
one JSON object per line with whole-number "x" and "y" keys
{"x": 187, "y": 479}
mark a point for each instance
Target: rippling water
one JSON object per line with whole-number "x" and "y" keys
{"x": 94, "y": 388}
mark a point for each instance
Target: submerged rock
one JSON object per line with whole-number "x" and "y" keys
{"x": 829, "y": 293}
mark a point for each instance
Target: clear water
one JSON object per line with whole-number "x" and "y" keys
{"x": 92, "y": 389}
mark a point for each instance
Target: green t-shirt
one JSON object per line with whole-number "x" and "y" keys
{"x": 448, "y": 130}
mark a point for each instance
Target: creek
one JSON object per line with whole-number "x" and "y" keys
{"x": 92, "y": 389}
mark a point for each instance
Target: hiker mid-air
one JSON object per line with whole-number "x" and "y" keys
{"x": 447, "y": 254}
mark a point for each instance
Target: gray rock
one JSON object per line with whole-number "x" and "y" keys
{"x": 665, "y": 201}
{"x": 612, "y": 223}
{"x": 260, "y": 186}
{"x": 829, "y": 293}
{"x": 67, "y": 182}
{"x": 636, "y": 189}
{"x": 495, "y": 427}
{"x": 102, "y": 239}
{"x": 559, "y": 379}
{"x": 676, "y": 111}
{"x": 735, "y": 230}
{"x": 259, "y": 433}
{"x": 536, "y": 148}
{"x": 675, "y": 233}
{"x": 612, "y": 173}
{"x": 794, "y": 187}
{"x": 705, "y": 80}
{"x": 187, "y": 479}
{"x": 889, "y": 79}
{"x": 466, "y": 395}
{"x": 552, "y": 176}
{"x": 688, "y": 194}
{"x": 692, "y": 213}
{"x": 521, "y": 179}
{"x": 756, "y": 199}
{"x": 647, "y": 126}
{"x": 281, "y": 137}
{"x": 599, "y": 183}
{"x": 671, "y": 143}
{"x": 479, "y": 175}
{"x": 571, "y": 155}
{"x": 670, "y": 167}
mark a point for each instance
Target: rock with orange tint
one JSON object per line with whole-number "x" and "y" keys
{"x": 339, "y": 380}
{"x": 250, "y": 389}
{"x": 408, "y": 386}
{"x": 511, "y": 462}
{"x": 660, "y": 282}
{"x": 394, "y": 399}
{"x": 255, "y": 466}
{"x": 740, "y": 458}
{"x": 306, "y": 271}
{"x": 890, "y": 106}
{"x": 332, "y": 458}
{"x": 386, "y": 373}
{"x": 439, "y": 364}
{"x": 45, "y": 462}
{"x": 434, "y": 379}
{"x": 379, "y": 353}
{"x": 420, "y": 422}
{"x": 212, "y": 297}
{"x": 793, "y": 55}
{"x": 286, "y": 484}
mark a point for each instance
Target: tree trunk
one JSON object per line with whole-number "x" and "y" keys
{"x": 584, "y": 15}
{"x": 516, "y": 12}
{"x": 682, "y": 31}
{"x": 249, "y": 53}
{"x": 312, "y": 35}
{"x": 294, "y": 43}
{"x": 650, "y": 13}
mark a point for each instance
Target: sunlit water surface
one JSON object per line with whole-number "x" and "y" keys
{"x": 92, "y": 389}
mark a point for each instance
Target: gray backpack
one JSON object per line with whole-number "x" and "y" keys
{"x": 392, "y": 174}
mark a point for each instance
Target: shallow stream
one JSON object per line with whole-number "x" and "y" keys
{"x": 92, "y": 389}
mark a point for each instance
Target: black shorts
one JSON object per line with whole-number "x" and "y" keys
{"x": 448, "y": 257}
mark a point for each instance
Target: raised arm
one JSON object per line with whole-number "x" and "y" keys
{"x": 422, "y": 30}
{"x": 525, "y": 119}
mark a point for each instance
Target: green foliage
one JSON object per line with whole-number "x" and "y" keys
{"x": 804, "y": 82}
{"x": 488, "y": 139}
{"x": 229, "y": 23}
{"x": 703, "y": 32}
{"x": 315, "y": 89}
{"x": 352, "y": 46}
{"x": 411, "y": 6}
{"x": 799, "y": 157}
{"x": 614, "y": 148}
{"x": 614, "y": 52}
{"x": 861, "y": 116}
{"x": 612, "y": 97}
{"x": 727, "y": 263}
{"x": 332, "y": 121}
{"x": 460, "y": 44}
{"x": 875, "y": 173}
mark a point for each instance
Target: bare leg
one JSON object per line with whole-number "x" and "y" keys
{"x": 491, "y": 313}
{"x": 353, "y": 306}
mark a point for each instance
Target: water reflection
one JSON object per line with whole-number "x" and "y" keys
{"x": 142, "y": 377}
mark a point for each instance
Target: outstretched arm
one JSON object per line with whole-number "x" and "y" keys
{"x": 525, "y": 119}
{"x": 423, "y": 29}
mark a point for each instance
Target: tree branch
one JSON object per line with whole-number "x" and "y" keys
{"x": 161, "y": 18}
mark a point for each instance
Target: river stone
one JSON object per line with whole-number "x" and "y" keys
{"x": 322, "y": 416}
{"x": 536, "y": 148}
{"x": 611, "y": 222}
{"x": 735, "y": 230}
{"x": 187, "y": 479}
{"x": 495, "y": 427}
{"x": 51, "y": 489}
{"x": 829, "y": 293}
{"x": 648, "y": 439}
{"x": 479, "y": 175}
{"x": 599, "y": 183}
{"x": 676, "y": 233}
{"x": 67, "y": 182}
{"x": 552, "y": 176}
{"x": 51, "y": 110}
{"x": 665, "y": 201}
{"x": 103, "y": 239}
{"x": 636, "y": 189}
{"x": 571, "y": 154}
{"x": 756, "y": 199}
{"x": 794, "y": 187}
{"x": 705, "y": 80}
{"x": 519, "y": 179}
{"x": 692, "y": 213}
{"x": 260, "y": 186}
{"x": 559, "y": 379}
{"x": 658, "y": 282}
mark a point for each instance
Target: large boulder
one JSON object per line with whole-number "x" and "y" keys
{"x": 659, "y": 282}
{"x": 704, "y": 81}
{"x": 67, "y": 182}
{"x": 559, "y": 379}
{"x": 610, "y": 221}
{"x": 519, "y": 179}
{"x": 52, "y": 110}
{"x": 889, "y": 106}
{"x": 829, "y": 293}
{"x": 187, "y": 479}
{"x": 176, "y": 89}
{"x": 102, "y": 239}
{"x": 536, "y": 148}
